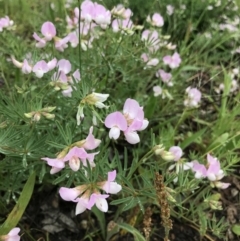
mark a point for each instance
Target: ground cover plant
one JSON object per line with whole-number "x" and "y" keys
{"x": 119, "y": 120}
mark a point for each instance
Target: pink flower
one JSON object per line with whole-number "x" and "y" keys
{"x": 213, "y": 172}
{"x": 99, "y": 200}
{"x": 129, "y": 122}
{"x": 41, "y": 41}
{"x": 90, "y": 142}
{"x": 5, "y": 23}
{"x": 117, "y": 122}
{"x": 61, "y": 43}
{"x": 64, "y": 66}
{"x": 177, "y": 152}
{"x": 74, "y": 156}
{"x": 12, "y": 235}
{"x": 110, "y": 186}
{"x": 26, "y": 67}
{"x": 95, "y": 12}
{"x": 170, "y": 10}
{"x": 71, "y": 194}
{"x": 122, "y": 24}
{"x": 57, "y": 164}
{"x": 48, "y": 31}
{"x": 193, "y": 97}
{"x": 157, "y": 90}
{"x": 40, "y": 68}
{"x": 166, "y": 77}
{"x": 173, "y": 61}
{"x": 156, "y": 20}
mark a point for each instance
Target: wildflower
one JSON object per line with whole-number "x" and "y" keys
{"x": 48, "y": 30}
{"x": 110, "y": 186}
{"x": 40, "y": 68}
{"x": 156, "y": 20}
{"x": 179, "y": 165}
{"x": 134, "y": 118}
{"x": 12, "y": 235}
{"x": 166, "y": 77}
{"x": 117, "y": 122}
{"x": 5, "y": 23}
{"x": 121, "y": 12}
{"x": 170, "y": 9}
{"x": 75, "y": 154}
{"x": 212, "y": 171}
{"x": 173, "y": 61}
{"x": 193, "y": 97}
{"x": 157, "y": 90}
{"x": 95, "y": 12}
{"x": 88, "y": 195}
{"x": 125, "y": 25}
{"x": 94, "y": 99}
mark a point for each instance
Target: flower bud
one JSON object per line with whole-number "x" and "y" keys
{"x": 167, "y": 156}
{"x": 48, "y": 115}
{"x": 30, "y": 114}
{"x": 49, "y": 108}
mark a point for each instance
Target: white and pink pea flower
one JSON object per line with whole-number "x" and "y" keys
{"x": 123, "y": 25}
{"x": 166, "y": 77}
{"x": 130, "y": 121}
{"x": 179, "y": 164}
{"x": 172, "y": 61}
{"x": 110, "y": 186}
{"x": 193, "y": 97}
{"x": 12, "y": 235}
{"x": 212, "y": 171}
{"x": 75, "y": 155}
{"x": 48, "y": 30}
{"x": 39, "y": 69}
{"x": 92, "y": 11}
{"x": 149, "y": 62}
{"x": 170, "y": 9}
{"x": 63, "y": 81}
{"x": 121, "y": 12}
{"x": 157, "y": 90}
{"x": 151, "y": 39}
{"x": 155, "y": 20}
{"x": 5, "y": 22}
{"x": 86, "y": 200}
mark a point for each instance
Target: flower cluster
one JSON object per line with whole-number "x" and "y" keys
{"x": 39, "y": 68}
{"x": 75, "y": 154}
{"x": 212, "y": 171}
{"x": 60, "y": 79}
{"x": 88, "y": 195}
{"x": 130, "y": 121}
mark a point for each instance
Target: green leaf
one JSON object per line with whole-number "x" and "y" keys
{"x": 137, "y": 235}
{"x": 236, "y": 229}
{"x": 18, "y": 210}
{"x": 192, "y": 138}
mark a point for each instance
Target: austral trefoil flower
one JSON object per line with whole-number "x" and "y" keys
{"x": 155, "y": 20}
{"x": 88, "y": 195}
{"x": 179, "y": 164}
{"x": 193, "y": 97}
{"x": 75, "y": 154}
{"x": 212, "y": 171}
{"x": 92, "y": 100}
{"x": 130, "y": 121}
{"x": 110, "y": 186}
{"x": 12, "y": 235}
{"x": 172, "y": 61}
